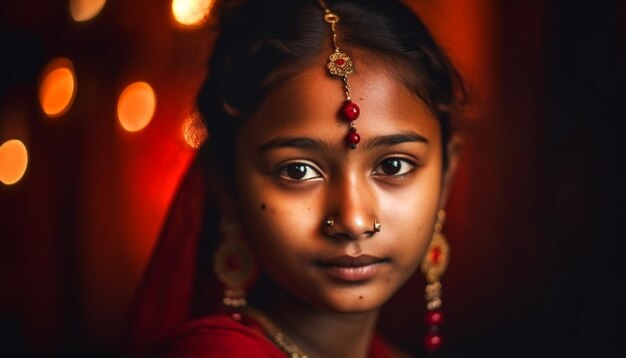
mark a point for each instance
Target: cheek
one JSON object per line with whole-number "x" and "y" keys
{"x": 283, "y": 242}
{"x": 408, "y": 218}
{"x": 278, "y": 226}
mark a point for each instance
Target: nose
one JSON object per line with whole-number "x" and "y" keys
{"x": 351, "y": 209}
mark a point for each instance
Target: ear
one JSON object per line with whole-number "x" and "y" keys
{"x": 452, "y": 149}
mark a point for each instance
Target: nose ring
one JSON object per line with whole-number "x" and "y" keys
{"x": 376, "y": 225}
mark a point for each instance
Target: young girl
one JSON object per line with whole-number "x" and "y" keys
{"x": 319, "y": 191}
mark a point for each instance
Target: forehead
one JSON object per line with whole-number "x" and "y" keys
{"x": 308, "y": 105}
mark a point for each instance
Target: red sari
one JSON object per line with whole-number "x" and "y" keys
{"x": 221, "y": 335}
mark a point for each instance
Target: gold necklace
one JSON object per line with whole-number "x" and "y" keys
{"x": 273, "y": 333}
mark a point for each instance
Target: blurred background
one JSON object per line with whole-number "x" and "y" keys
{"x": 97, "y": 126}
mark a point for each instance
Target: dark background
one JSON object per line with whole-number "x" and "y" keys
{"x": 535, "y": 219}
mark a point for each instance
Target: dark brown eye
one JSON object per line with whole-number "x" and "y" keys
{"x": 299, "y": 172}
{"x": 394, "y": 167}
{"x": 296, "y": 171}
{"x": 391, "y": 166}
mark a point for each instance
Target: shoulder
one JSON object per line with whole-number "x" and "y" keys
{"x": 219, "y": 335}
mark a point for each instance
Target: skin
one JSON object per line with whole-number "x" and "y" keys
{"x": 284, "y": 213}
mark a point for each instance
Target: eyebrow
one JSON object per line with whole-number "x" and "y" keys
{"x": 393, "y": 139}
{"x": 293, "y": 142}
{"x": 313, "y": 144}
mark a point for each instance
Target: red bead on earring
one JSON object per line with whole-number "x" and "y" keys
{"x": 432, "y": 342}
{"x": 434, "y": 318}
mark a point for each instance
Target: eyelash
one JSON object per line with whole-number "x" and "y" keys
{"x": 282, "y": 173}
{"x": 403, "y": 171}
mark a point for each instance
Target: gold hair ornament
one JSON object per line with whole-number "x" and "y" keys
{"x": 340, "y": 64}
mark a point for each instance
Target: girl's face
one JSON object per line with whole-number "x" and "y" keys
{"x": 294, "y": 170}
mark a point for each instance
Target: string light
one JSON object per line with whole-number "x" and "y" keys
{"x": 58, "y": 87}
{"x": 13, "y": 161}
{"x": 136, "y": 106}
{"x": 84, "y": 10}
{"x": 191, "y": 13}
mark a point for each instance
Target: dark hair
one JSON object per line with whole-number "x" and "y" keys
{"x": 264, "y": 42}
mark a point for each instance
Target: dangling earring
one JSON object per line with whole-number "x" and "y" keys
{"x": 234, "y": 264}
{"x": 434, "y": 266}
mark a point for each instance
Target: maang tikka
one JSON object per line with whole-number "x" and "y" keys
{"x": 340, "y": 64}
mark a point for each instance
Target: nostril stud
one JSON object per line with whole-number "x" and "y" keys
{"x": 330, "y": 222}
{"x": 376, "y": 225}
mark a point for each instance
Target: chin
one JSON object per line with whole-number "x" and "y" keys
{"x": 352, "y": 302}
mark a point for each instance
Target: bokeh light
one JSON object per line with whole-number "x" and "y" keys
{"x": 191, "y": 13}
{"x": 194, "y": 130}
{"x": 136, "y": 106}
{"x": 13, "y": 161}
{"x": 84, "y": 10}
{"x": 58, "y": 87}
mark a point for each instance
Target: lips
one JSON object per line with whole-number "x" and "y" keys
{"x": 351, "y": 261}
{"x": 352, "y": 268}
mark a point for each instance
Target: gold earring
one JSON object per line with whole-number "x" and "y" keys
{"x": 434, "y": 266}
{"x": 234, "y": 264}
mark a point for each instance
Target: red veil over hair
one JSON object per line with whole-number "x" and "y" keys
{"x": 179, "y": 284}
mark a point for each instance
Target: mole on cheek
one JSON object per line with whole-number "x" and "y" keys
{"x": 360, "y": 297}
{"x": 388, "y": 280}
{"x": 263, "y": 206}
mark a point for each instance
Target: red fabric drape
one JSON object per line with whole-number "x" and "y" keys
{"x": 165, "y": 296}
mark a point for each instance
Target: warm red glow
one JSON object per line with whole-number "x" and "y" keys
{"x": 136, "y": 106}
{"x": 465, "y": 30}
{"x": 13, "y": 161}
{"x": 58, "y": 87}
{"x": 191, "y": 13}
{"x": 83, "y": 10}
{"x": 194, "y": 130}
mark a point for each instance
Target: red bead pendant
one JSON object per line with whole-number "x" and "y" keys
{"x": 432, "y": 342}
{"x": 353, "y": 138}
{"x": 351, "y": 111}
{"x": 340, "y": 62}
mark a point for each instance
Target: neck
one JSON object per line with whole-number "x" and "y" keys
{"x": 317, "y": 332}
